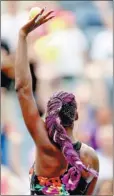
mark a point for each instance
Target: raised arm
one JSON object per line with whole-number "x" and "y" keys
{"x": 23, "y": 83}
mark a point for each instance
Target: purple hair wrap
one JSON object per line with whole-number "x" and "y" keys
{"x": 58, "y": 135}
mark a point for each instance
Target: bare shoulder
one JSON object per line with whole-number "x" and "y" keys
{"x": 89, "y": 157}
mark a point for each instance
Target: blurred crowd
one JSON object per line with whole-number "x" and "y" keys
{"x": 73, "y": 52}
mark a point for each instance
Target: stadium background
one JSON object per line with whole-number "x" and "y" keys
{"x": 73, "y": 52}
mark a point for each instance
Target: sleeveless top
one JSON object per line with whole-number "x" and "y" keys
{"x": 83, "y": 185}
{"x": 80, "y": 190}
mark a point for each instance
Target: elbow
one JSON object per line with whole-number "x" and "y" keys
{"x": 17, "y": 89}
{"x": 20, "y": 82}
{"x": 18, "y": 86}
{"x": 23, "y": 87}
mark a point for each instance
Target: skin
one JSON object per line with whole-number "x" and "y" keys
{"x": 50, "y": 162}
{"x": 106, "y": 188}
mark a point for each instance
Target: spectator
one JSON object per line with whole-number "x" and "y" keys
{"x": 102, "y": 48}
{"x": 11, "y": 21}
{"x": 7, "y": 72}
{"x": 58, "y": 61}
{"x": 102, "y": 117}
{"x": 5, "y": 86}
{"x": 104, "y": 137}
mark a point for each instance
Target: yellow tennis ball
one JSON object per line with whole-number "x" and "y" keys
{"x": 33, "y": 12}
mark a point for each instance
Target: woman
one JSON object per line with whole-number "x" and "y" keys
{"x": 61, "y": 167}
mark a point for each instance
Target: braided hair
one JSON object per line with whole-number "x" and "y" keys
{"x": 61, "y": 113}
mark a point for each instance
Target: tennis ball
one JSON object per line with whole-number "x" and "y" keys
{"x": 33, "y": 12}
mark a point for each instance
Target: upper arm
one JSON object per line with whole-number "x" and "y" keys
{"x": 34, "y": 123}
{"x": 89, "y": 158}
{"x": 95, "y": 166}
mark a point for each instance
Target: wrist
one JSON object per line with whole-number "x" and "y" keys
{"x": 22, "y": 33}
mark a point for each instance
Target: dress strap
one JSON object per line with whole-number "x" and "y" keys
{"x": 77, "y": 146}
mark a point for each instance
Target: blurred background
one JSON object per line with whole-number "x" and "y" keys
{"x": 73, "y": 52}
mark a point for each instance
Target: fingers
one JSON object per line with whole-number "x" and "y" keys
{"x": 37, "y": 16}
{"x": 42, "y": 10}
{"x": 44, "y": 21}
{"x": 48, "y": 14}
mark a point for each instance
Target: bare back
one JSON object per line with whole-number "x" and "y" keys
{"x": 53, "y": 164}
{"x": 50, "y": 163}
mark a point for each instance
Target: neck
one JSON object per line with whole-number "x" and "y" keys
{"x": 69, "y": 133}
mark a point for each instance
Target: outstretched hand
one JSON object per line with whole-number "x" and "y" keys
{"x": 38, "y": 20}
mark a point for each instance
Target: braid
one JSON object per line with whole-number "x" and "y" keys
{"x": 58, "y": 135}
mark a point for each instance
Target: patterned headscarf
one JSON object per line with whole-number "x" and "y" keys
{"x": 57, "y": 133}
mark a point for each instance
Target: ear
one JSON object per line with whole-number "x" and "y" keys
{"x": 76, "y": 117}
